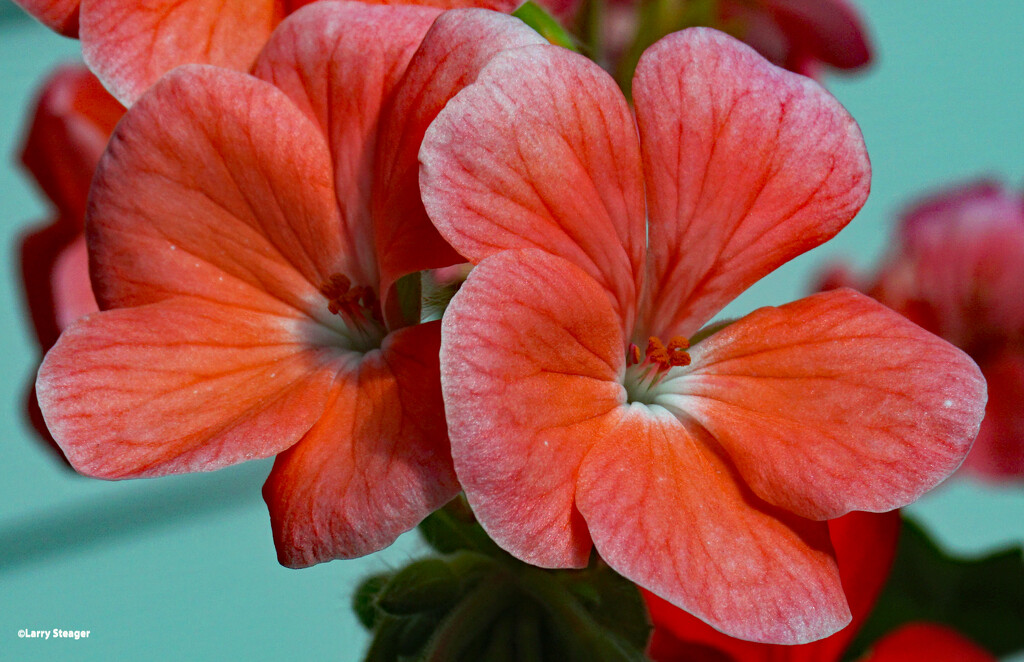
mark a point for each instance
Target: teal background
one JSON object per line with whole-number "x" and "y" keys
{"x": 184, "y": 567}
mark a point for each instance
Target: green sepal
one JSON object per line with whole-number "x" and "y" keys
{"x": 364, "y": 601}
{"x": 416, "y": 631}
{"x": 983, "y": 599}
{"x": 545, "y": 24}
{"x": 425, "y": 585}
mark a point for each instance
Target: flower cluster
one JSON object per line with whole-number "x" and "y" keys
{"x": 259, "y": 226}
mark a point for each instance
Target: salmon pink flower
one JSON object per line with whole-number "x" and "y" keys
{"x": 131, "y": 43}
{"x": 71, "y": 123}
{"x": 586, "y": 407}
{"x": 244, "y": 232}
{"x": 956, "y": 269}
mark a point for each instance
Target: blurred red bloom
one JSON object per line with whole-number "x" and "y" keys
{"x": 956, "y": 269}
{"x": 579, "y": 413}
{"x": 70, "y": 125}
{"x": 805, "y": 36}
{"x": 245, "y": 233}
{"x": 131, "y": 43}
{"x": 865, "y": 546}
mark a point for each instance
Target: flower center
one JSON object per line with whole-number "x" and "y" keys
{"x": 645, "y": 371}
{"x": 358, "y": 306}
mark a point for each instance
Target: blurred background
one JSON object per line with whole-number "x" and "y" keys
{"x": 184, "y": 567}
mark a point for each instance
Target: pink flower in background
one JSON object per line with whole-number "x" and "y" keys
{"x": 70, "y": 125}
{"x": 131, "y": 43}
{"x": 956, "y": 269}
{"x": 244, "y": 234}
{"x": 585, "y": 406}
{"x": 805, "y": 36}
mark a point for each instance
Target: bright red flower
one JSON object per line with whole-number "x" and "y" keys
{"x": 956, "y": 269}
{"x": 584, "y": 406}
{"x": 71, "y": 123}
{"x": 244, "y": 233}
{"x": 865, "y": 546}
{"x": 131, "y": 43}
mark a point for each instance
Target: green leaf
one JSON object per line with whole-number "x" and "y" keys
{"x": 421, "y": 586}
{"x": 982, "y": 599}
{"x": 545, "y": 24}
{"x": 618, "y": 606}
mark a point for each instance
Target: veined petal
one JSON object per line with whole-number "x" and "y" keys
{"x": 747, "y": 167}
{"x": 215, "y": 186}
{"x": 375, "y": 464}
{"x": 457, "y": 47}
{"x": 833, "y": 403}
{"x": 541, "y": 152}
{"x": 531, "y": 356}
{"x": 131, "y": 44}
{"x": 667, "y": 512}
{"x": 339, "y": 62}
{"x": 181, "y": 385}
{"x": 58, "y": 15}
{"x": 865, "y": 546}
{"x": 72, "y": 121}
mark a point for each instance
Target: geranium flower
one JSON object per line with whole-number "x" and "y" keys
{"x": 70, "y": 125}
{"x": 956, "y": 269}
{"x": 244, "y": 235}
{"x": 865, "y": 546}
{"x": 131, "y": 43}
{"x": 584, "y": 405}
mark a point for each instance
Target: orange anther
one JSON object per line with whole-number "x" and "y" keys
{"x": 678, "y": 343}
{"x": 633, "y": 358}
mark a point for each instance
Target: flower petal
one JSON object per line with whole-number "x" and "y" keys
{"x": 73, "y": 119}
{"x": 541, "y": 152}
{"x": 457, "y": 47}
{"x": 927, "y": 642}
{"x": 747, "y": 167}
{"x": 865, "y": 546}
{"x": 375, "y": 464}
{"x": 667, "y": 512}
{"x": 72, "y": 291}
{"x": 833, "y": 403}
{"x": 131, "y": 44}
{"x": 215, "y": 186}
{"x": 177, "y": 386}
{"x": 339, "y": 62}
{"x": 58, "y": 15}
{"x": 531, "y": 354}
